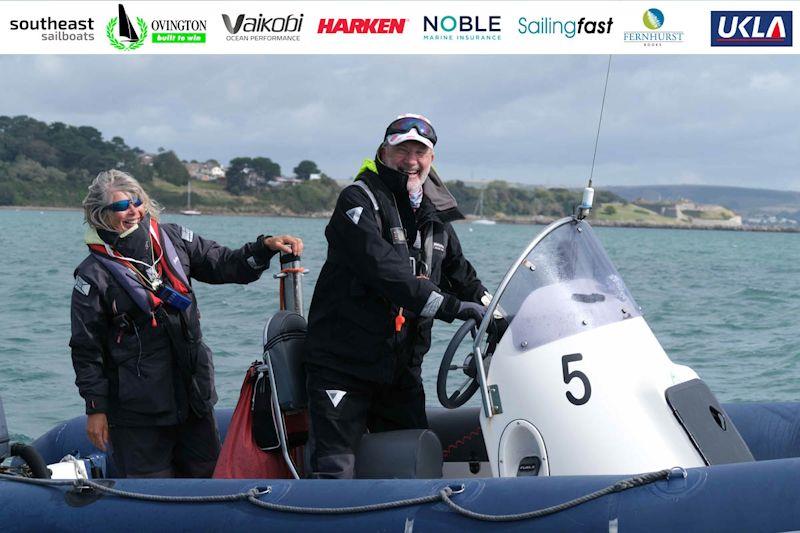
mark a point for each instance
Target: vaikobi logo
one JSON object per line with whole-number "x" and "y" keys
{"x": 361, "y": 25}
{"x": 260, "y": 28}
{"x": 461, "y": 28}
{"x": 751, "y": 28}
{"x": 653, "y": 19}
{"x": 127, "y": 33}
{"x": 566, "y": 28}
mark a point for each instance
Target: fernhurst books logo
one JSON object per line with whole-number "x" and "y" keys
{"x": 751, "y": 28}
{"x": 129, "y": 38}
{"x": 653, "y": 19}
{"x": 242, "y": 27}
{"x": 461, "y": 28}
{"x": 355, "y": 25}
{"x": 569, "y": 28}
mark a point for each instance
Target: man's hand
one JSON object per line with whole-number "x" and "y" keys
{"x": 97, "y": 430}
{"x": 467, "y": 310}
{"x": 284, "y": 243}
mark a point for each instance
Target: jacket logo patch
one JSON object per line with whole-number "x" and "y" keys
{"x": 336, "y": 395}
{"x": 439, "y": 247}
{"x": 355, "y": 214}
{"x": 82, "y": 286}
{"x": 187, "y": 234}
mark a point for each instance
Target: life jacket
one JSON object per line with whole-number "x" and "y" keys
{"x": 128, "y": 277}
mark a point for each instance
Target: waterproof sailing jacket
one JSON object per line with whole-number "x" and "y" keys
{"x": 142, "y": 365}
{"x": 369, "y": 275}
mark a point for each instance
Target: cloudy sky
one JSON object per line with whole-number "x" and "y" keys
{"x": 724, "y": 120}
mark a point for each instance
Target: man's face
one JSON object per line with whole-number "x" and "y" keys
{"x": 411, "y": 157}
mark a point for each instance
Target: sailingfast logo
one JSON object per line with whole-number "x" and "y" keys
{"x": 566, "y": 28}
{"x": 356, "y": 25}
{"x": 653, "y": 19}
{"x": 261, "y": 28}
{"x": 462, "y": 28}
{"x": 751, "y": 28}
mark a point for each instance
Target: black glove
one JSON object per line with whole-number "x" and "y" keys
{"x": 467, "y": 310}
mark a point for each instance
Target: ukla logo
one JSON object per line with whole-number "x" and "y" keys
{"x": 751, "y": 28}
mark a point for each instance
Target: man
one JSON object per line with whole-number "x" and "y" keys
{"x": 394, "y": 263}
{"x": 140, "y": 362}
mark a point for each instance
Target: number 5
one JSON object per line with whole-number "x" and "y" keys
{"x": 569, "y": 376}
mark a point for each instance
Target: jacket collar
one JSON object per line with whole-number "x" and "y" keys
{"x": 395, "y": 180}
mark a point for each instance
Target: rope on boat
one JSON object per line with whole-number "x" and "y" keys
{"x": 444, "y": 495}
{"x": 619, "y": 486}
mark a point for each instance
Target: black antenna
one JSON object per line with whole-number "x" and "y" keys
{"x": 600, "y": 121}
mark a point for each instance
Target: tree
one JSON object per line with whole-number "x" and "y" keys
{"x": 169, "y": 168}
{"x": 265, "y": 168}
{"x": 305, "y": 168}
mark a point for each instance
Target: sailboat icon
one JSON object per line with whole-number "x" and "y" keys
{"x": 125, "y": 27}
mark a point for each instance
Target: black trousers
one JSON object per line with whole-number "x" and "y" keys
{"x": 342, "y": 408}
{"x": 184, "y": 450}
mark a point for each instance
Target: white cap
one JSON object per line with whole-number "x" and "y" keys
{"x": 410, "y": 135}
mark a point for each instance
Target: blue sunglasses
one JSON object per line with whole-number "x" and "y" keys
{"x": 123, "y": 205}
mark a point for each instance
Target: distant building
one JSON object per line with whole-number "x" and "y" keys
{"x": 146, "y": 159}
{"x": 208, "y": 171}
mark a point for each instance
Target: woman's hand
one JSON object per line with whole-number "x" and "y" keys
{"x": 284, "y": 243}
{"x": 97, "y": 430}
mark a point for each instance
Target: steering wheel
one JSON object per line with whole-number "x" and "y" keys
{"x": 468, "y": 368}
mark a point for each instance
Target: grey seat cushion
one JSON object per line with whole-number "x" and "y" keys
{"x": 402, "y": 454}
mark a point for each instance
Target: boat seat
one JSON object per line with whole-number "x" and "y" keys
{"x": 401, "y": 454}
{"x": 284, "y": 341}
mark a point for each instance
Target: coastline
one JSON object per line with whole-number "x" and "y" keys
{"x": 535, "y": 220}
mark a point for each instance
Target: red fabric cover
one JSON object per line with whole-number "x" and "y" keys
{"x": 240, "y": 457}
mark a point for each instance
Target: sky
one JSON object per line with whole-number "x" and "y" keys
{"x": 710, "y": 120}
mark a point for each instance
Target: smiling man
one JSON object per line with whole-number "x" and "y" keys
{"x": 394, "y": 263}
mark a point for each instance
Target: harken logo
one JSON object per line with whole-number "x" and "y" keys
{"x": 751, "y": 28}
{"x": 121, "y": 26}
{"x": 361, "y": 25}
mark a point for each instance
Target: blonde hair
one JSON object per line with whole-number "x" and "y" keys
{"x": 102, "y": 190}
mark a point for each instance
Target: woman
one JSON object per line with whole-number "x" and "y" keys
{"x": 140, "y": 361}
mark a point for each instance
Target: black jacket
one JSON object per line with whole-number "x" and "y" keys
{"x": 141, "y": 374}
{"x": 365, "y": 280}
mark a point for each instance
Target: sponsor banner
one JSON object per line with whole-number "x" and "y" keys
{"x": 396, "y": 27}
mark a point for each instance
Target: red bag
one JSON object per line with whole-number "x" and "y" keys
{"x": 240, "y": 457}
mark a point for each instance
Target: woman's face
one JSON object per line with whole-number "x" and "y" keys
{"x": 124, "y": 219}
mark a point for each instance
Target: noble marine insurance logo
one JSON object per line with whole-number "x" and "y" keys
{"x": 461, "y": 28}
{"x": 53, "y": 29}
{"x": 242, "y": 27}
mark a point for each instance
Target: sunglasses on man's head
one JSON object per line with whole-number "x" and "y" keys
{"x": 123, "y": 205}
{"x": 406, "y": 124}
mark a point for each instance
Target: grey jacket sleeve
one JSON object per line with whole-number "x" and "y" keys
{"x": 213, "y": 263}
{"x": 88, "y": 341}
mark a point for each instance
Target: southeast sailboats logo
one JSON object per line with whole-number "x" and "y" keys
{"x": 127, "y": 32}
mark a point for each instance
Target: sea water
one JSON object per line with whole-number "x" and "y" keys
{"x": 724, "y": 303}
